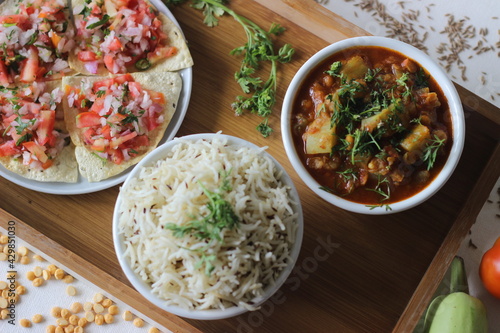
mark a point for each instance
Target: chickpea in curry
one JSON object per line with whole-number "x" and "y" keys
{"x": 372, "y": 125}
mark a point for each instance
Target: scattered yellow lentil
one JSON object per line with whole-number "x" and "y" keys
{"x": 25, "y": 322}
{"x": 71, "y": 291}
{"x": 138, "y": 322}
{"x": 109, "y": 319}
{"x": 99, "y": 319}
{"x": 37, "y": 282}
{"x": 76, "y": 307}
{"x": 30, "y": 275}
{"x": 127, "y": 315}
{"x": 113, "y": 310}
{"x": 59, "y": 274}
{"x": 38, "y": 318}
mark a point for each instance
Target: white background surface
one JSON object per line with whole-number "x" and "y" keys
{"x": 431, "y": 19}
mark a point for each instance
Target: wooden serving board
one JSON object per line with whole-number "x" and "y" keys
{"x": 356, "y": 273}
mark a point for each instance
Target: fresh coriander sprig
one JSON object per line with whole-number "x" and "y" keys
{"x": 221, "y": 215}
{"x": 258, "y": 48}
{"x": 431, "y": 151}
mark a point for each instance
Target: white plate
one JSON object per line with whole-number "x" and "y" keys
{"x": 82, "y": 185}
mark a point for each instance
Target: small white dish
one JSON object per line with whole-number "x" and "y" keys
{"x": 144, "y": 289}
{"x": 447, "y": 86}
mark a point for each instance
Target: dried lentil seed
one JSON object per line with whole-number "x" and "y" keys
{"x": 69, "y": 329}
{"x": 65, "y": 313}
{"x": 52, "y": 268}
{"x": 89, "y": 315}
{"x": 56, "y": 312}
{"x": 76, "y": 307}
{"x": 3, "y": 303}
{"x": 127, "y": 315}
{"x": 59, "y": 274}
{"x": 68, "y": 279}
{"x": 37, "y": 282}
{"x": 71, "y": 291}
{"x": 107, "y": 302}
{"x": 98, "y": 308}
{"x": 25, "y": 322}
{"x": 24, "y": 260}
{"x": 21, "y": 290}
{"x": 38, "y": 271}
{"x": 23, "y": 250}
{"x": 46, "y": 274}
{"x": 50, "y": 329}
{"x": 73, "y": 319}
{"x": 38, "y": 318}
{"x": 99, "y": 319}
{"x": 113, "y": 310}
{"x": 82, "y": 322}
{"x": 98, "y": 298}
{"x": 109, "y": 319}
{"x": 62, "y": 322}
{"x": 30, "y": 275}
{"x": 138, "y": 322}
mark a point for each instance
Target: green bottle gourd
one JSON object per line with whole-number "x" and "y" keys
{"x": 456, "y": 312}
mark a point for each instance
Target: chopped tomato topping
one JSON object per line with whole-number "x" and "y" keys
{"x": 4, "y": 74}
{"x": 87, "y": 119}
{"x": 46, "y": 126}
{"x": 9, "y": 148}
{"x": 29, "y": 67}
{"x": 162, "y": 53}
{"x": 36, "y": 150}
{"x": 87, "y": 56}
{"x": 118, "y": 132}
{"x": 124, "y": 31}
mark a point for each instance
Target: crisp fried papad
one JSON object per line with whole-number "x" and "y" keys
{"x": 95, "y": 166}
{"x": 63, "y": 168}
{"x": 36, "y": 38}
{"x": 157, "y": 60}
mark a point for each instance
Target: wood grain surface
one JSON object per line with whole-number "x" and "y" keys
{"x": 356, "y": 273}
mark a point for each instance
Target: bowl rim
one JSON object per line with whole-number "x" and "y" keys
{"x": 442, "y": 79}
{"x": 212, "y": 314}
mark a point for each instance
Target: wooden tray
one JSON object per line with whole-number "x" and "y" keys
{"x": 356, "y": 273}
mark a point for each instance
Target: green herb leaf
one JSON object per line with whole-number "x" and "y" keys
{"x": 221, "y": 215}
{"x": 264, "y": 128}
{"x": 431, "y": 151}
{"x": 258, "y": 48}
{"x": 105, "y": 18}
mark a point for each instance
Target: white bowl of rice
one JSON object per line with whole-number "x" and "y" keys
{"x": 208, "y": 226}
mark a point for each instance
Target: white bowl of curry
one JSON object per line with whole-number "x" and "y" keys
{"x": 372, "y": 125}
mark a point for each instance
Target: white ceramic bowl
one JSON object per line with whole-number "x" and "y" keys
{"x": 143, "y": 288}
{"x": 436, "y": 72}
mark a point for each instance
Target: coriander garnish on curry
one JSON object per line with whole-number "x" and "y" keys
{"x": 372, "y": 125}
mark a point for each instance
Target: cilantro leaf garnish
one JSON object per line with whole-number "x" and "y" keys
{"x": 260, "y": 93}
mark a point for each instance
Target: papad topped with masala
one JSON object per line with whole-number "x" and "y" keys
{"x": 126, "y": 36}
{"x": 34, "y": 142}
{"x": 36, "y": 38}
{"x": 114, "y": 122}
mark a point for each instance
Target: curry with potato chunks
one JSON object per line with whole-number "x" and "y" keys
{"x": 372, "y": 126}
